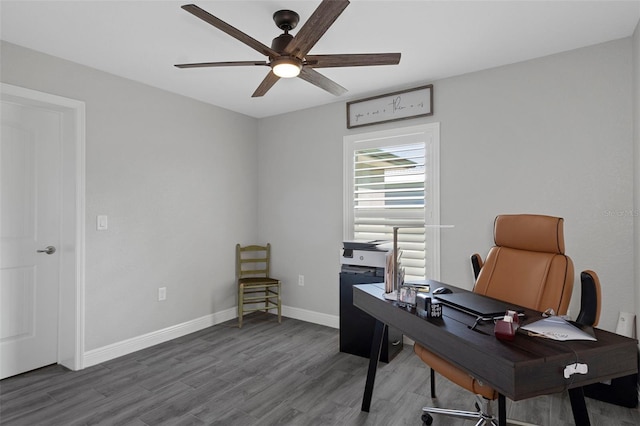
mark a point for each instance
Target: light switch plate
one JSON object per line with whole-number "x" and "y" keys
{"x": 101, "y": 223}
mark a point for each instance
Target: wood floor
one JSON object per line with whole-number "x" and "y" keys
{"x": 262, "y": 374}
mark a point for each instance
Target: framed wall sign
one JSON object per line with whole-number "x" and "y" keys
{"x": 394, "y": 106}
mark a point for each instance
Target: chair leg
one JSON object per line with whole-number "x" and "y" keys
{"x": 266, "y": 300}
{"x": 240, "y": 304}
{"x": 433, "y": 383}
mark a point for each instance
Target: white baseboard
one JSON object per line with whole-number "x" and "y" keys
{"x": 118, "y": 349}
{"x": 332, "y": 321}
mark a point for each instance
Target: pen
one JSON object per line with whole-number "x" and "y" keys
{"x": 520, "y": 315}
{"x": 533, "y": 334}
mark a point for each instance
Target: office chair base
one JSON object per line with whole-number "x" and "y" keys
{"x": 482, "y": 419}
{"x": 483, "y": 414}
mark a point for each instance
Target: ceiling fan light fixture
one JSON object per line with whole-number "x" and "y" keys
{"x": 286, "y": 68}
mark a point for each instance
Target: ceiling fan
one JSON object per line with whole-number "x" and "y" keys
{"x": 288, "y": 54}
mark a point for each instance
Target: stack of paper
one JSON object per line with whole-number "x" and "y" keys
{"x": 557, "y": 328}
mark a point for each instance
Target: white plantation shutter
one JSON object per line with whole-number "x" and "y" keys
{"x": 389, "y": 182}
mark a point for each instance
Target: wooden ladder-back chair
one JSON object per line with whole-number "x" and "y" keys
{"x": 256, "y": 288}
{"x": 527, "y": 267}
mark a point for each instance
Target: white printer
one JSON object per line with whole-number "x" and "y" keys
{"x": 365, "y": 253}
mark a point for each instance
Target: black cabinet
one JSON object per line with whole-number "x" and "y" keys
{"x": 356, "y": 326}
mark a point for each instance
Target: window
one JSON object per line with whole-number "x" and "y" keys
{"x": 392, "y": 179}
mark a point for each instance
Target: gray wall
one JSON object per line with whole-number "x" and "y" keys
{"x": 636, "y": 192}
{"x": 551, "y": 136}
{"x": 177, "y": 179}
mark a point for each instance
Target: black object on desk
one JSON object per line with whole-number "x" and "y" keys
{"x": 475, "y": 304}
{"x": 523, "y": 368}
{"x": 357, "y": 327}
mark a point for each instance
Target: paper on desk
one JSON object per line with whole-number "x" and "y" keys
{"x": 557, "y": 328}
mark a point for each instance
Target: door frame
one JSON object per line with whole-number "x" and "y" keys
{"x": 71, "y": 300}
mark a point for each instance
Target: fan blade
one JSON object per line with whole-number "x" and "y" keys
{"x": 221, "y": 64}
{"x": 232, "y": 31}
{"x": 317, "y": 79}
{"x": 266, "y": 84}
{"x": 352, "y": 60}
{"x": 317, "y": 24}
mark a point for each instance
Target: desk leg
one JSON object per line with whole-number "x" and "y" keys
{"x": 502, "y": 410}
{"x": 579, "y": 407}
{"x": 376, "y": 347}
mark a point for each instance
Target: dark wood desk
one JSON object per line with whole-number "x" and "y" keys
{"x": 520, "y": 369}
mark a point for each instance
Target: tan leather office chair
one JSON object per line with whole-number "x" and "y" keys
{"x": 528, "y": 267}
{"x": 256, "y": 287}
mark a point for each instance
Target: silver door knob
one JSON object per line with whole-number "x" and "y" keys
{"x": 48, "y": 250}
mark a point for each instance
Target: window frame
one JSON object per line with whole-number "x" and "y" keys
{"x": 430, "y": 132}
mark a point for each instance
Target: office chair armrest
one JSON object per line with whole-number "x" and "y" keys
{"x": 476, "y": 263}
{"x": 589, "y": 299}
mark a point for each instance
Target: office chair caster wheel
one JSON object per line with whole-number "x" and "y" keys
{"x": 427, "y": 420}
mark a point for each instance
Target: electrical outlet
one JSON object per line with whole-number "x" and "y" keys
{"x": 162, "y": 294}
{"x": 301, "y": 280}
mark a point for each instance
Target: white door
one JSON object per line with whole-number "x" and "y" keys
{"x": 30, "y": 218}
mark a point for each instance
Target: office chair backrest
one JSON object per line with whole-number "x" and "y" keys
{"x": 253, "y": 260}
{"x": 527, "y": 266}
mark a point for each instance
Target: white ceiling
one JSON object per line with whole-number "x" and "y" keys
{"x": 141, "y": 40}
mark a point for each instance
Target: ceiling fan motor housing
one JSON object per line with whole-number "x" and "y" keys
{"x": 279, "y": 43}
{"x": 286, "y": 20}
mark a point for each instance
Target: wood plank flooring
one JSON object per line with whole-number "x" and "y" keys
{"x": 262, "y": 374}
